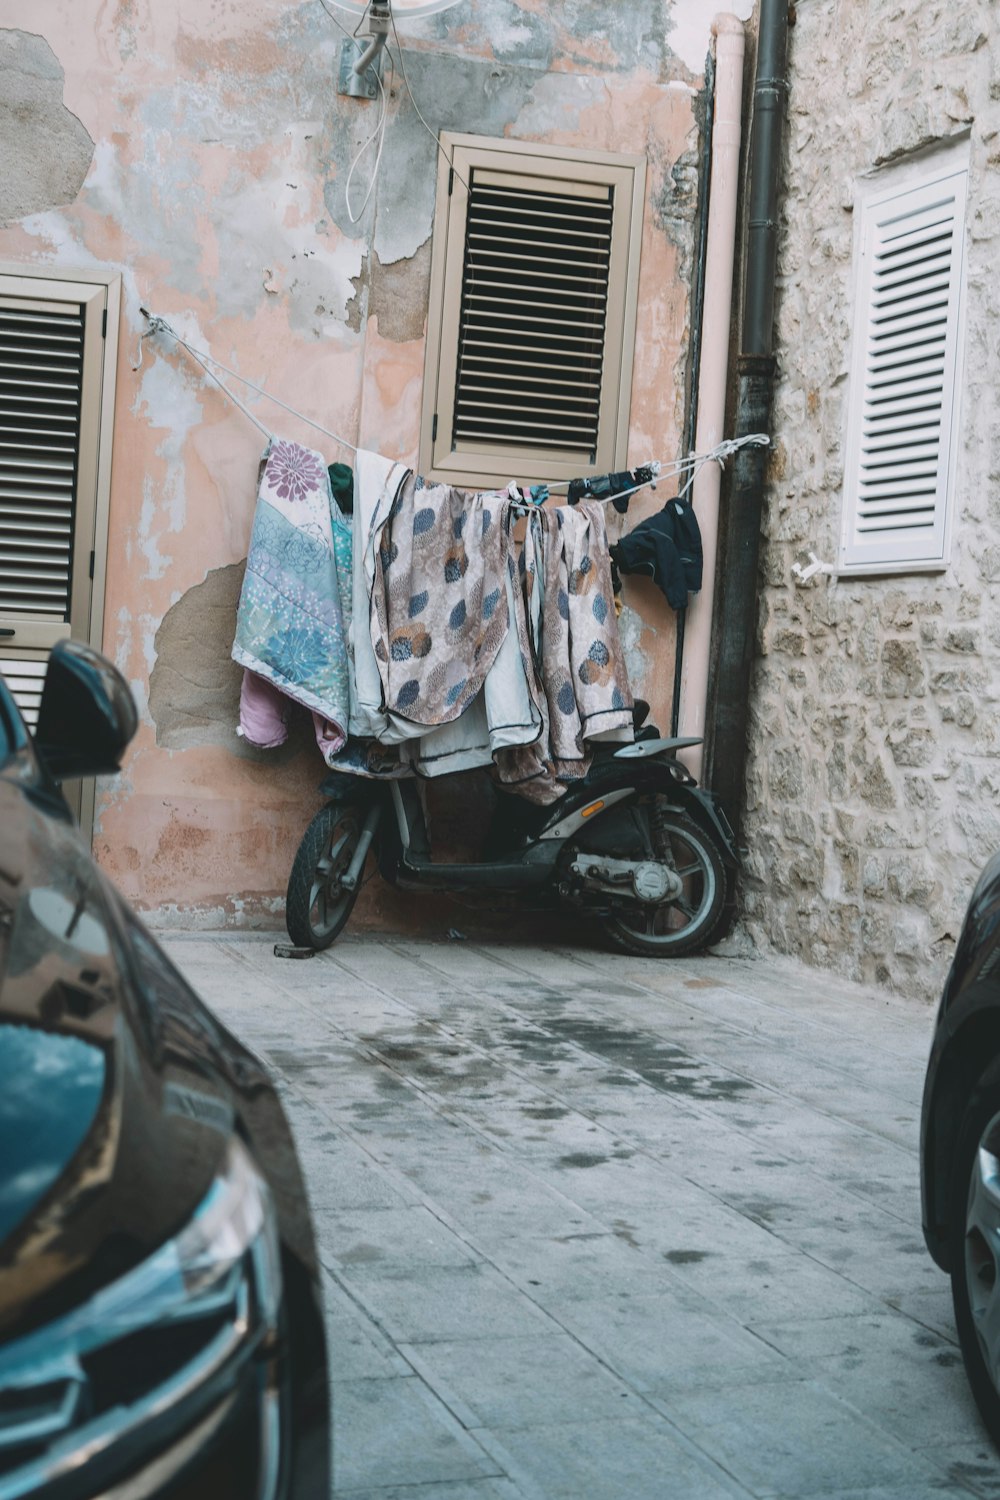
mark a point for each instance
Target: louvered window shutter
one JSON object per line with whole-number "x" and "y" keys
{"x": 25, "y": 677}
{"x": 907, "y": 357}
{"x": 532, "y": 318}
{"x": 41, "y": 378}
{"x": 54, "y": 385}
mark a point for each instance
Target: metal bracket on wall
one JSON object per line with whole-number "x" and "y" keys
{"x": 348, "y": 82}
{"x": 803, "y": 574}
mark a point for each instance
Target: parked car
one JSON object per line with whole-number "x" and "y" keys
{"x": 161, "y": 1329}
{"x": 960, "y": 1142}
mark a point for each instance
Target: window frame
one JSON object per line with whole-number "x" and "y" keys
{"x": 908, "y": 180}
{"x": 484, "y": 467}
{"x": 100, "y": 291}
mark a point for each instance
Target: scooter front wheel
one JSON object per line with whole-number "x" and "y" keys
{"x": 691, "y": 921}
{"x": 317, "y": 906}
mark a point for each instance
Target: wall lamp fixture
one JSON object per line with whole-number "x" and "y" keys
{"x": 361, "y": 60}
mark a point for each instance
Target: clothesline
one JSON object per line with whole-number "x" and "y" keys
{"x": 414, "y": 668}
{"x": 691, "y": 464}
{"x": 160, "y": 325}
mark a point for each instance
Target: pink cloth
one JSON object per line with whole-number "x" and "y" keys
{"x": 329, "y": 737}
{"x": 264, "y": 713}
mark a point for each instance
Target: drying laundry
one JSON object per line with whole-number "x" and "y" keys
{"x": 431, "y": 739}
{"x": 264, "y": 711}
{"x": 667, "y": 548}
{"x": 582, "y": 666}
{"x": 578, "y": 658}
{"x": 342, "y": 485}
{"x": 291, "y": 630}
{"x": 439, "y": 603}
{"x": 421, "y": 629}
{"x": 264, "y": 714}
{"x": 376, "y": 483}
{"x": 533, "y": 696}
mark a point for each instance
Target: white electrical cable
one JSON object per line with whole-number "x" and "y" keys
{"x": 378, "y": 132}
{"x": 351, "y": 36}
{"x": 160, "y": 325}
{"x": 380, "y": 129}
{"x": 336, "y": 23}
{"x": 803, "y": 575}
{"x": 432, "y": 133}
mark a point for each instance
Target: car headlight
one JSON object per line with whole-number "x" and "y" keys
{"x": 234, "y": 1220}
{"x": 203, "y": 1304}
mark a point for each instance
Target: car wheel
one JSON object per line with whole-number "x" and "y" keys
{"x": 975, "y": 1245}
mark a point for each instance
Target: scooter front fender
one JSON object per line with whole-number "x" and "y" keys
{"x": 339, "y": 786}
{"x": 618, "y": 778}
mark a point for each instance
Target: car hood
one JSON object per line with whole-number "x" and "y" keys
{"x": 115, "y": 1102}
{"x": 51, "y": 1089}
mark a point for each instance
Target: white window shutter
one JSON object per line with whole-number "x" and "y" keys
{"x": 907, "y": 355}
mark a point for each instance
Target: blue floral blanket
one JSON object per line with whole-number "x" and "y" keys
{"x": 294, "y": 610}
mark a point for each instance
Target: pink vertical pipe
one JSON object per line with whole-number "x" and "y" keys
{"x": 713, "y": 369}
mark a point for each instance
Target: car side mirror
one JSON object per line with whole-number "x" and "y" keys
{"x": 87, "y": 715}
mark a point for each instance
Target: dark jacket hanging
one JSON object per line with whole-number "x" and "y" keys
{"x": 667, "y": 548}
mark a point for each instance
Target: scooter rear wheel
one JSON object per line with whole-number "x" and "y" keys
{"x": 317, "y": 906}
{"x": 691, "y": 921}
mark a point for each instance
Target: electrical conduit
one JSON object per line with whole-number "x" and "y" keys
{"x": 713, "y": 367}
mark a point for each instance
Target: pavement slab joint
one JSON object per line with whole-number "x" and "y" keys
{"x": 602, "y": 1227}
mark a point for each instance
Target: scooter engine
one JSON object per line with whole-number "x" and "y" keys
{"x": 647, "y": 880}
{"x": 615, "y": 857}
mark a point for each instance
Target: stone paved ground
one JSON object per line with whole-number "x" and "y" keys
{"x": 598, "y": 1228}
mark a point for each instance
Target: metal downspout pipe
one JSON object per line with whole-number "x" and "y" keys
{"x": 737, "y": 625}
{"x": 713, "y": 366}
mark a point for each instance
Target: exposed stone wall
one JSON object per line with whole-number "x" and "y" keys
{"x": 874, "y": 774}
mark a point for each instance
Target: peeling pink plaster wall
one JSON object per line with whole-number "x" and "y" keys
{"x": 217, "y": 189}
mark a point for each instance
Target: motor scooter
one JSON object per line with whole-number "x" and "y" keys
{"x": 636, "y": 845}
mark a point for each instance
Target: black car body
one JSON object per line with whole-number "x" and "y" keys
{"x": 161, "y": 1329}
{"x": 960, "y": 1141}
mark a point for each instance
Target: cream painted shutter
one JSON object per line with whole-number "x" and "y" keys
{"x": 51, "y": 363}
{"x": 907, "y": 357}
{"x": 532, "y": 319}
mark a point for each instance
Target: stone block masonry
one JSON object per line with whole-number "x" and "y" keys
{"x": 873, "y": 790}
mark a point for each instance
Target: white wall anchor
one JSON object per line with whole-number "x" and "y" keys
{"x": 803, "y": 575}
